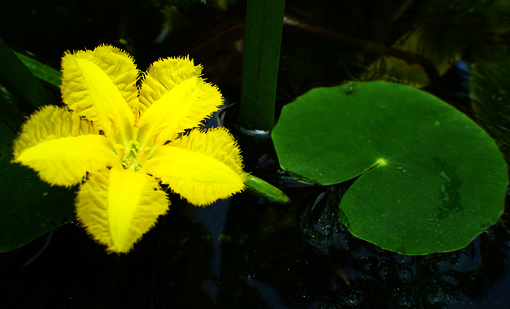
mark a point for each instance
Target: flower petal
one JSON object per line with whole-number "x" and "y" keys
{"x": 201, "y": 167}
{"x": 101, "y": 85}
{"x": 176, "y": 98}
{"x": 61, "y": 146}
{"x": 118, "y": 206}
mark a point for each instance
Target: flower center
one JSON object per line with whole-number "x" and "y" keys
{"x": 132, "y": 156}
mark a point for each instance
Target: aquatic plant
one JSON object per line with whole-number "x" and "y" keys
{"x": 120, "y": 141}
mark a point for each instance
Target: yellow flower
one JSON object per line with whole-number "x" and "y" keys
{"x": 121, "y": 141}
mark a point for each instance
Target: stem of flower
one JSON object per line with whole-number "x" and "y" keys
{"x": 264, "y": 189}
{"x": 264, "y": 24}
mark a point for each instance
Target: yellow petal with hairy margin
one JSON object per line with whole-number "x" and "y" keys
{"x": 163, "y": 75}
{"x": 101, "y": 85}
{"x": 201, "y": 167}
{"x": 61, "y": 147}
{"x": 176, "y": 97}
{"x": 65, "y": 161}
{"x": 118, "y": 206}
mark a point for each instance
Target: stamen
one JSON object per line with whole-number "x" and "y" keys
{"x": 121, "y": 151}
{"x": 143, "y": 157}
{"x": 132, "y": 158}
{"x": 135, "y": 131}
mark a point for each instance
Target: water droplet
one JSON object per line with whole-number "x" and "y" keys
{"x": 445, "y": 197}
{"x": 444, "y": 187}
{"x": 351, "y": 89}
{"x": 443, "y": 174}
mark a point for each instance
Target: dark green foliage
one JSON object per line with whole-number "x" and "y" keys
{"x": 473, "y": 27}
{"x": 20, "y": 82}
{"x": 491, "y": 99}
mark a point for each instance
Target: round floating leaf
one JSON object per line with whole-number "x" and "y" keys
{"x": 431, "y": 179}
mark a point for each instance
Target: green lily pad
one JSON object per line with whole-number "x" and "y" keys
{"x": 430, "y": 179}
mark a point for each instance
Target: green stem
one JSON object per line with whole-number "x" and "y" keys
{"x": 264, "y": 24}
{"x": 264, "y": 189}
